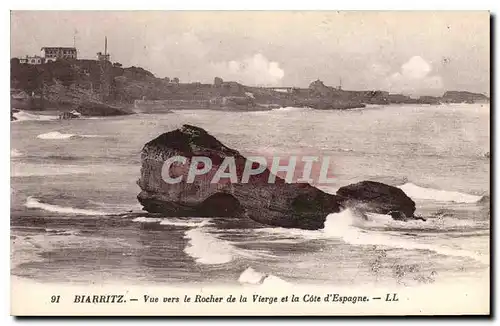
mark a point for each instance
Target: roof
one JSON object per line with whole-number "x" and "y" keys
{"x": 58, "y": 47}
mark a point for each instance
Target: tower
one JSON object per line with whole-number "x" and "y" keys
{"x": 106, "y": 72}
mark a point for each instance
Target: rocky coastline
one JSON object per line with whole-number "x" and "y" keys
{"x": 79, "y": 85}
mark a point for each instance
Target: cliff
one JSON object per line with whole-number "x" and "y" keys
{"x": 464, "y": 97}
{"x": 65, "y": 85}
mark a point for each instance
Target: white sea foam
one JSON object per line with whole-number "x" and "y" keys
{"x": 15, "y": 153}
{"x": 203, "y": 246}
{"x": 438, "y": 222}
{"x": 416, "y": 192}
{"x": 62, "y": 231}
{"x": 342, "y": 225}
{"x": 19, "y": 169}
{"x": 251, "y": 276}
{"x": 208, "y": 249}
{"x": 187, "y": 223}
{"x": 350, "y": 228}
{"x": 32, "y": 202}
{"x": 291, "y": 108}
{"x": 273, "y": 281}
{"x": 191, "y": 222}
{"x": 56, "y": 135}
{"x": 143, "y": 219}
{"x": 25, "y": 116}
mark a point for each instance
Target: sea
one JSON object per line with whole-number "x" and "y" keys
{"x": 75, "y": 217}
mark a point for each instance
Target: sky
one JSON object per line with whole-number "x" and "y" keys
{"x": 414, "y": 53}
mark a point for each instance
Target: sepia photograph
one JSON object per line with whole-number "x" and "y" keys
{"x": 275, "y": 163}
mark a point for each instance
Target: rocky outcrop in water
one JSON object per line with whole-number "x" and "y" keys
{"x": 376, "y": 197}
{"x": 12, "y": 117}
{"x": 278, "y": 204}
{"x": 289, "y": 205}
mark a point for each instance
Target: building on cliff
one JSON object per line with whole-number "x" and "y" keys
{"x": 32, "y": 60}
{"x": 56, "y": 53}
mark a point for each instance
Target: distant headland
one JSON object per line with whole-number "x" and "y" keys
{"x": 101, "y": 88}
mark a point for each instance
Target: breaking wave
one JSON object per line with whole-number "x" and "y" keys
{"x": 291, "y": 109}
{"x": 15, "y": 153}
{"x": 251, "y": 276}
{"x": 32, "y": 202}
{"x": 192, "y": 222}
{"x": 206, "y": 248}
{"x": 25, "y": 116}
{"x": 416, "y": 192}
{"x": 381, "y": 230}
{"x": 143, "y": 219}
{"x": 56, "y": 135}
{"x": 31, "y": 169}
{"x": 343, "y": 225}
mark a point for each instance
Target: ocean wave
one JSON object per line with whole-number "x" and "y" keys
{"x": 32, "y": 202}
{"x": 62, "y": 232}
{"x": 191, "y": 222}
{"x": 417, "y": 192}
{"x": 56, "y": 135}
{"x": 15, "y": 153}
{"x": 186, "y": 223}
{"x": 292, "y": 109}
{"x": 355, "y": 230}
{"x": 342, "y": 225}
{"x": 203, "y": 246}
{"x": 208, "y": 249}
{"x": 30, "y": 169}
{"x": 437, "y": 222}
{"x": 143, "y": 219}
{"x": 251, "y": 276}
{"x": 25, "y": 116}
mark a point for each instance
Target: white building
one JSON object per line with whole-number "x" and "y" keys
{"x": 55, "y": 53}
{"x": 34, "y": 60}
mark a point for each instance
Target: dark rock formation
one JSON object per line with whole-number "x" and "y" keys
{"x": 69, "y": 115}
{"x": 12, "y": 117}
{"x": 296, "y": 205}
{"x": 376, "y": 197}
{"x": 464, "y": 97}
{"x": 278, "y": 204}
{"x": 101, "y": 109}
{"x": 433, "y": 100}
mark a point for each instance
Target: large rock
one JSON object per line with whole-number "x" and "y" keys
{"x": 277, "y": 204}
{"x": 376, "y": 197}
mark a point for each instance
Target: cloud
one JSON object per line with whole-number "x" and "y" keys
{"x": 415, "y": 78}
{"x": 253, "y": 70}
